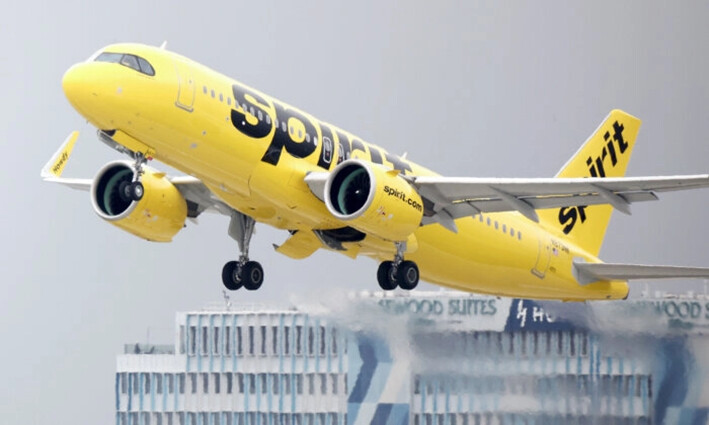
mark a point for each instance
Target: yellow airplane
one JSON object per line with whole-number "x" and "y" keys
{"x": 256, "y": 159}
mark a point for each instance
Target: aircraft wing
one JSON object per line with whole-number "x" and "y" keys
{"x": 199, "y": 197}
{"x": 587, "y": 273}
{"x": 453, "y": 198}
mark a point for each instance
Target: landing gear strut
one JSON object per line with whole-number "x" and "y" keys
{"x": 404, "y": 274}
{"x": 133, "y": 191}
{"x": 242, "y": 272}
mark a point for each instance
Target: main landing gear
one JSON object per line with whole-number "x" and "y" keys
{"x": 134, "y": 190}
{"x": 242, "y": 272}
{"x": 404, "y": 274}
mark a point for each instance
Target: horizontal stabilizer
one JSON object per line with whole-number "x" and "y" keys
{"x": 586, "y": 273}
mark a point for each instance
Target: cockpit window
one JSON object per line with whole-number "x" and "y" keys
{"x": 131, "y": 61}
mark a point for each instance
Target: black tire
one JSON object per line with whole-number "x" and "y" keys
{"x": 252, "y": 275}
{"x": 384, "y": 276}
{"x": 124, "y": 191}
{"x": 136, "y": 191}
{"x": 407, "y": 275}
{"x": 230, "y": 276}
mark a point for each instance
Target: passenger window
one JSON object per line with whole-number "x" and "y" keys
{"x": 300, "y": 134}
{"x": 145, "y": 67}
{"x": 307, "y": 137}
{"x": 228, "y": 101}
{"x": 260, "y": 115}
{"x": 268, "y": 119}
{"x": 221, "y": 97}
{"x": 213, "y": 95}
{"x": 504, "y": 228}
{"x": 283, "y": 126}
{"x": 519, "y": 235}
{"x": 488, "y": 221}
{"x": 512, "y": 232}
{"x": 131, "y": 62}
{"x": 204, "y": 89}
{"x": 252, "y": 111}
{"x": 315, "y": 141}
{"x": 496, "y": 225}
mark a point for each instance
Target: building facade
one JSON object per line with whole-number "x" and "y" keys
{"x": 443, "y": 358}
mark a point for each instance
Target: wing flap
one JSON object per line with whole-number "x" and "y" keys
{"x": 586, "y": 273}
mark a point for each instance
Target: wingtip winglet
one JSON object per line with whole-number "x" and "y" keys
{"x": 56, "y": 164}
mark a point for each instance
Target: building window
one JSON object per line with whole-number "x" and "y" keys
{"x": 215, "y": 346}
{"x": 298, "y": 339}
{"x": 286, "y": 384}
{"x": 311, "y": 383}
{"x": 311, "y": 341}
{"x": 252, "y": 383}
{"x": 193, "y": 340}
{"x": 322, "y": 340}
{"x": 124, "y": 384}
{"x": 181, "y": 378}
{"x": 193, "y": 383}
{"x": 182, "y": 339}
{"x": 239, "y": 347}
{"x": 274, "y": 334}
{"x": 229, "y": 383}
{"x": 240, "y": 382}
{"x": 333, "y": 377}
{"x": 227, "y": 341}
{"x": 275, "y": 380}
{"x": 205, "y": 383}
{"x": 251, "y": 340}
{"x": 217, "y": 382}
{"x": 146, "y": 382}
{"x": 323, "y": 383}
{"x": 263, "y": 340}
{"x": 333, "y": 345}
{"x": 158, "y": 383}
{"x": 264, "y": 383}
{"x": 170, "y": 380}
{"x": 299, "y": 384}
{"x": 205, "y": 340}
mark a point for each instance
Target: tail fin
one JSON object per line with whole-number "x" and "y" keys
{"x": 605, "y": 154}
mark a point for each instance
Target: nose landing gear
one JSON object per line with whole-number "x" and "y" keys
{"x": 242, "y": 272}
{"x": 401, "y": 273}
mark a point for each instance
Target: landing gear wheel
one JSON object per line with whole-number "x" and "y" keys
{"x": 385, "y": 277}
{"x": 230, "y": 276}
{"x": 124, "y": 191}
{"x": 407, "y": 275}
{"x": 252, "y": 275}
{"x": 136, "y": 190}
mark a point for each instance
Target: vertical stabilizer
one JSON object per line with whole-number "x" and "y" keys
{"x": 605, "y": 154}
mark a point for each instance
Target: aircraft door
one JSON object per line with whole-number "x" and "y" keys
{"x": 543, "y": 257}
{"x": 185, "y": 87}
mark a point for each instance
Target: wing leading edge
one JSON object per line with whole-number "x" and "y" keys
{"x": 586, "y": 273}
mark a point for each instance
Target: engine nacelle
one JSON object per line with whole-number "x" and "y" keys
{"x": 374, "y": 199}
{"x": 158, "y": 216}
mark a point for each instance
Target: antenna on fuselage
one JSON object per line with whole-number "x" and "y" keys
{"x": 163, "y": 45}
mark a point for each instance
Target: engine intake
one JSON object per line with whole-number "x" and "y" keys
{"x": 374, "y": 199}
{"x": 158, "y": 216}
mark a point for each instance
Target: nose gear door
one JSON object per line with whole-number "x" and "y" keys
{"x": 185, "y": 87}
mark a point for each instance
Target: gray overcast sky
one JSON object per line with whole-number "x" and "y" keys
{"x": 466, "y": 88}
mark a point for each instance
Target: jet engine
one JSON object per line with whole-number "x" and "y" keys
{"x": 157, "y": 216}
{"x": 374, "y": 200}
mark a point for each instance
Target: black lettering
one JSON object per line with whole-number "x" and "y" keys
{"x": 376, "y": 155}
{"x": 357, "y": 145}
{"x": 284, "y": 139}
{"x": 618, "y": 136}
{"x": 344, "y": 147}
{"x": 611, "y": 148}
{"x": 327, "y": 147}
{"x": 243, "y": 96}
{"x": 566, "y": 214}
{"x": 592, "y": 168}
{"x": 599, "y": 166}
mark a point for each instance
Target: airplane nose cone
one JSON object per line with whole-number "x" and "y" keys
{"x": 72, "y": 85}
